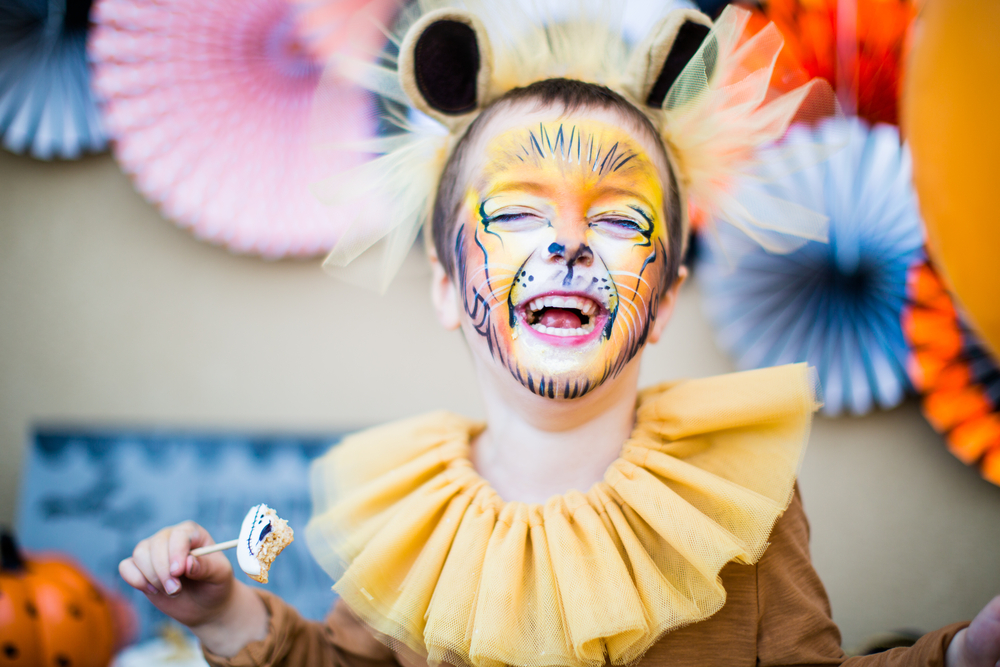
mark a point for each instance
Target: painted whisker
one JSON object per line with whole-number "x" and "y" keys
{"x": 493, "y": 287}
{"x": 499, "y": 295}
{"x": 630, "y": 275}
{"x": 637, "y": 295}
{"x": 497, "y": 269}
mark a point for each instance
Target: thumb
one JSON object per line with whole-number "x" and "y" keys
{"x": 982, "y": 637}
{"x": 211, "y": 568}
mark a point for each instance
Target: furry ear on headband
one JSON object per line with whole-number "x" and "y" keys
{"x": 445, "y": 64}
{"x": 663, "y": 54}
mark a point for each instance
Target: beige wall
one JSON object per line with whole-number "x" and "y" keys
{"x": 109, "y": 315}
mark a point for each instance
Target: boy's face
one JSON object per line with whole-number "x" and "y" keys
{"x": 560, "y": 251}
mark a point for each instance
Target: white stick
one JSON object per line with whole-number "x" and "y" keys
{"x": 221, "y": 546}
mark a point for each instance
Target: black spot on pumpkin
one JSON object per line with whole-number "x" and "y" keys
{"x": 74, "y": 611}
{"x": 10, "y": 651}
{"x": 62, "y": 661}
{"x": 31, "y": 609}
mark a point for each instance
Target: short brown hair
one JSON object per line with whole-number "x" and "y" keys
{"x": 572, "y": 95}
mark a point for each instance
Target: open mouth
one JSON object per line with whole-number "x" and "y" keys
{"x": 562, "y": 315}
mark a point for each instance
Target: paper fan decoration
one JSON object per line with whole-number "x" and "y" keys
{"x": 46, "y": 105}
{"x": 955, "y": 372}
{"x": 210, "y": 106}
{"x": 858, "y": 46}
{"x": 330, "y": 26}
{"x": 834, "y": 305}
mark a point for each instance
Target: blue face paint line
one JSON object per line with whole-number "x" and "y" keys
{"x": 535, "y": 144}
{"x": 486, "y": 221}
{"x": 511, "y": 313}
{"x": 548, "y": 140}
{"x": 622, "y": 163}
{"x": 611, "y": 152}
{"x": 560, "y": 142}
{"x": 583, "y": 252}
{"x": 645, "y": 216}
{"x": 610, "y": 325}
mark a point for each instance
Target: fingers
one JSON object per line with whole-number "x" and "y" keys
{"x": 134, "y": 577}
{"x": 182, "y": 538}
{"x": 158, "y": 562}
{"x": 213, "y": 568}
{"x": 159, "y": 556}
{"x": 142, "y": 560}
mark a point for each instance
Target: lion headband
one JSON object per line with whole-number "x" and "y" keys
{"x": 706, "y": 89}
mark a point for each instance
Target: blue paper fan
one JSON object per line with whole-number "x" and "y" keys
{"x": 835, "y": 305}
{"x": 46, "y": 104}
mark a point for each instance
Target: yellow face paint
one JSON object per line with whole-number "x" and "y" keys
{"x": 561, "y": 253}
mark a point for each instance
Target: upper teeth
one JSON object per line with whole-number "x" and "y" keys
{"x": 585, "y": 306}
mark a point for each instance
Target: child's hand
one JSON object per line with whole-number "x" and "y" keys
{"x": 979, "y": 644}
{"x": 193, "y": 591}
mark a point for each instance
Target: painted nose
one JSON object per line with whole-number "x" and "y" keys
{"x": 578, "y": 255}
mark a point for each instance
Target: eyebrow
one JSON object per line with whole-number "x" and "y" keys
{"x": 524, "y": 186}
{"x": 647, "y": 205}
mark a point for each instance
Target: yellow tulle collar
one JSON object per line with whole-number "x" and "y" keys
{"x": 427, "y": 554}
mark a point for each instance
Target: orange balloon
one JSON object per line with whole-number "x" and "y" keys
{"x": 951, "y": 117}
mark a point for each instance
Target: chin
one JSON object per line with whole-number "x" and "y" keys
{"x": 562, "y": 345}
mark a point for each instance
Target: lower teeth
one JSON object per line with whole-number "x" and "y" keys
{"x": 553, "y": 331}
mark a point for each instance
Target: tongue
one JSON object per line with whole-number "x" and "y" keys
{"x": 560, "y": 318}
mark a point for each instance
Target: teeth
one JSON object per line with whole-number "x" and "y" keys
{"x": 565, "y": 333}
{"x": 585, "y": 306}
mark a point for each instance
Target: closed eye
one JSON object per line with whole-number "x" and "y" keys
{"x": 619, "y": 227}
{"x": 515, "y": 221}
{"x": 623, "y": 222}
{"x": 509, "y": 217}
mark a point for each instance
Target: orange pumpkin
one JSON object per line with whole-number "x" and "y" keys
{"x": 51, "y": 614}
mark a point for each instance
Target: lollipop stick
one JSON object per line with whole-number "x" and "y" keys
{"x": 221, "y": 546}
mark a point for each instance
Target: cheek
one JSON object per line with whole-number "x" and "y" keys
{"x": 636, "y": 269}
{"x": 622, "y": 255}
{"x": 505, "y": 253}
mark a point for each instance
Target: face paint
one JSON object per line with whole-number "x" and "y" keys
{"x": 561, "y": 252}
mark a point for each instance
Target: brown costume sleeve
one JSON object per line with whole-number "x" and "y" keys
{"x": 342, "y": 641}
{"x": 795, "y": 625}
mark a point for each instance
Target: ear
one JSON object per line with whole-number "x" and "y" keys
{"x": 666, "y": 309}
{"x": 445, "y": 65}
{"x": 444, "y": 296}
{"x": 662, "y": 55}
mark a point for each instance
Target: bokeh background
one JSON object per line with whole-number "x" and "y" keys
{"x": 111, "y": 317}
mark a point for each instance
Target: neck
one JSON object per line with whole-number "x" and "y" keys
{"x": 534, "y": 448}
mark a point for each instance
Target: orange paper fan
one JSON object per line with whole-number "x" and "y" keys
{"x": 959, "y": 379}
{"x": 859, "y": 47}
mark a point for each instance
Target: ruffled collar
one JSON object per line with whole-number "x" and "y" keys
{"x": 428, "y": 554}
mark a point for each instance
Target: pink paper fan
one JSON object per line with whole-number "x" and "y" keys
{"x": 211, "y": 106}
{"x": 334, "y": 26}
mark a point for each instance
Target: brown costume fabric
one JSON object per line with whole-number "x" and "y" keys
{"x": 776, "y": 613}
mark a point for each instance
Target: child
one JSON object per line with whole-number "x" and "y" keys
{"x": 558, "y": 227}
